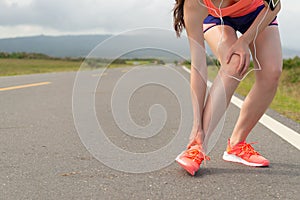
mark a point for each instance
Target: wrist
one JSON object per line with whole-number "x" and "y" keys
{"x": 246, "y": 39}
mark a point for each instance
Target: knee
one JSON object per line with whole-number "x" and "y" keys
{"x": 231, "y": 67}
{"x": 271, "y": 77}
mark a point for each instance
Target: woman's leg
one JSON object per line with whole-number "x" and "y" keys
{"x": 198, "y": 91}
{"x": 268, "y": 50}
{"x": 223, "y": 86}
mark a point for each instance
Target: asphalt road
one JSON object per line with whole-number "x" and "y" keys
{"x": 42, "y": 156}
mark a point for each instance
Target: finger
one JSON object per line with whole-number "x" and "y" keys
{"x": 247, "y": 63}
{"x": 190, "y": 145}
{"x": 195, "y": 141}
{"x": 242, "y": 64}
{"x": 229, "y": 55}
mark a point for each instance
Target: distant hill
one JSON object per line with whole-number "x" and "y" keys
{"x": 82, "y": 45}
{"x": 290, "y": 53}
{"x": 56, "y": 46}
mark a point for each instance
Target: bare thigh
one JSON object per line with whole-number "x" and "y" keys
{"x": 220, "y": 39}
{"x": 267, "y": 54}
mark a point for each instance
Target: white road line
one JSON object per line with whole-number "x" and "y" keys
{"x": 276, "y": 127}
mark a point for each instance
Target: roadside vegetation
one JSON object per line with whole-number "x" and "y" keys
{"x": 286, "y": 101}
{"x": 22, "y": 63}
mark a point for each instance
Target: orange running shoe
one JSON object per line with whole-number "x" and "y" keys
{"x": 191, "y": 159}
{"x": 244, "y": 153}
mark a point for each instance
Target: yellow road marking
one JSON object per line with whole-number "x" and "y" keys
{"x": 24, "y": 86}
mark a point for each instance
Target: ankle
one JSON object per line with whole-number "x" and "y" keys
{"x": 196, "y": 146}
{"x": 234, "y": 141}
{"x": 196, "y": 139}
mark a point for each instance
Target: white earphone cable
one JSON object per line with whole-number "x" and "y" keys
{"x": 222, "y": 34}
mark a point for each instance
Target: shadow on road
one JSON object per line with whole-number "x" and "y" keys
{"x": 278, "y": 169}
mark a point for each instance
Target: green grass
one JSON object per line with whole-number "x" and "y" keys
{"x": 10, "y": 67}
{"x": 286, "y": 101}
{"x": 131, "y": 63}
{"x": 138, "y": 62}
{"x": 15, "y": 66}
{"x": 118, "y": 65}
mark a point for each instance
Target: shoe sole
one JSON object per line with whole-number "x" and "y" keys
{"x": 236, "y": 159}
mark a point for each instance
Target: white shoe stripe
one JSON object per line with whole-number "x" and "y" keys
{"x": 234, "y": 158}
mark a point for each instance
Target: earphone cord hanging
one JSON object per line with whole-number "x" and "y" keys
{"x": 222, "y": 34}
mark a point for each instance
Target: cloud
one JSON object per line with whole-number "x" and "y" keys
{"x": 289, "y": 24}
{"x": 32, "y": 17}
{"x": 77, "y": 15}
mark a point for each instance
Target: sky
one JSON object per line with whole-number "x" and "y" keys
{"x": 20, "y": 18}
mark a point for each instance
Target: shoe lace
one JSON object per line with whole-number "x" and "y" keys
{"x": 197, "y": 156}
{"x": 247, "y": 149}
